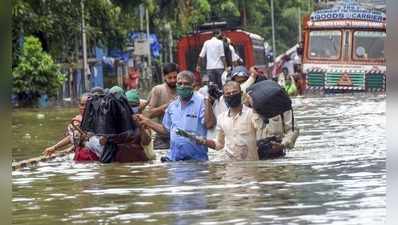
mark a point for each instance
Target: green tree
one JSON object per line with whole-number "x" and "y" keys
{"x": 58, "y": 25}
{"x": 36, "y": 73}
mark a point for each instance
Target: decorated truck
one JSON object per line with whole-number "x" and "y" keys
{"x": 343, "y": 49}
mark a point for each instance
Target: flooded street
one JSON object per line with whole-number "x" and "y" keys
{"x": 335, "y": 175}
{"x": 35, "y": 129}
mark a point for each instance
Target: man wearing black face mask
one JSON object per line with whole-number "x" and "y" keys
{"x": 236, "y": 133}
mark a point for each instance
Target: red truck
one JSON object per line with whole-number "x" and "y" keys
{"x": 249, "y": 46}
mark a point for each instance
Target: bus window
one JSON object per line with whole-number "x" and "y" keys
{"x": 258, "y": 51}
{"x": 325, "y": 44}
{"x": 369, "y": 45}
{"x": 259, "y": 55}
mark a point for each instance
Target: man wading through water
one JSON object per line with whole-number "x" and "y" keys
{"x": 69, "y": 138}
{"x": 236, "y": 132}
{"x": 189, "y": 112}
{"x": 161, "y": 96}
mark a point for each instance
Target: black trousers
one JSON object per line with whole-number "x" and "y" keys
{"x": 215, "y": 76}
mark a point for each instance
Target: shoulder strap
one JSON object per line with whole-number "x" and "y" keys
{"x": 292, "y": 120}
{"x": 283, "y": 121}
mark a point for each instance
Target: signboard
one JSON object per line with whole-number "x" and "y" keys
{"x": 346, "y": 24}
{"x": 344, "y": 80}
{"x": 141, "y": 47}
{"x": 348, "y": 10}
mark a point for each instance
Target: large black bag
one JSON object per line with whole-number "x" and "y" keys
{"x": 265, "y": 151}
{"x": 227, "y": 53}
{"x": 269, "y": 99}
{"x": 109, "y": 116}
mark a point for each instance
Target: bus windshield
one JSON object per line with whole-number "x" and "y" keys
{"x": 325, "y": 44}
{"x": 369, "y": 45}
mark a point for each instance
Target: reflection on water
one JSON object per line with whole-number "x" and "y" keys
{"x": 336, "y": 175}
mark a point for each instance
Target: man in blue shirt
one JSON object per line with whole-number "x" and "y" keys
{"x": 191, "y": 113}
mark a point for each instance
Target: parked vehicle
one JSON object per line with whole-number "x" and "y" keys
{"x": 249, "y": 46}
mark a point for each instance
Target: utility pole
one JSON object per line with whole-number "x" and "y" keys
{"x": 141, "y": 8}
{"x": 168, "y": 28}
{"x": 273, "y": 28}
{"x": 85, "y": 74}
{"x": 149, "y": 68}
{"x": 147, "y": 36}
{"x": 299, "y": 23}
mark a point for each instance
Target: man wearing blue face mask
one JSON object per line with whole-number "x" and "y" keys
{"x": 191, "y": 113}
{"x": 133, "y": 99}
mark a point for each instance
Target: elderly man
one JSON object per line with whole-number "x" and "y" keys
{"x": 236, "y": 131}
{"x": 189, "y": 112}
{"x": 68, "y": 139}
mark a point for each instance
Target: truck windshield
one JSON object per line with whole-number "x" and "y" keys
{"x": 369, "y": 45}
{"x": 325, "y": 44}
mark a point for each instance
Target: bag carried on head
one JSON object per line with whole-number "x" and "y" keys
{"x": 106, "y": 115}
{"x": 269, "y": 99}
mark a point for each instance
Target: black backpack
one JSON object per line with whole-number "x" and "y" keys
{"x": 227, "y": 53}
{"x": 269, "y": 99}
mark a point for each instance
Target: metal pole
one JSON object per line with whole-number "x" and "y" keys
{"x": 149, "y": 48}
{"x": 141, "y": 8}
{"x": 273, "y": 28}
{"x": 299, "y": 23}
{"x": 170, "y": 44}
{"x": 85, "y": 75}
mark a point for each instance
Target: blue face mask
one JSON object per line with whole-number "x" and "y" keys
{"x": 135, "y": 109}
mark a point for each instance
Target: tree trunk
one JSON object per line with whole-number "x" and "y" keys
{"x": 243, "y": 13}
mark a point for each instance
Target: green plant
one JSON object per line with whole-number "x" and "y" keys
{"x": 36, "y": 73}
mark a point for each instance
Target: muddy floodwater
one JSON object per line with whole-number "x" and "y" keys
{"x": 335, "y": 175}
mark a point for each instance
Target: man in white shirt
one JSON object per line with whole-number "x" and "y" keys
{"x": 216, "y": 64}
{"x": 236, "y": 131}
{"x": 241, "y": 76}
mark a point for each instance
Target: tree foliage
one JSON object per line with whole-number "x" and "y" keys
{"x": 36, "y": 73}
{"x": 57, "y": 22}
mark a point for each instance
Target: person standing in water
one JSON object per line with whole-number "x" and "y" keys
{"x": 191, "y": 113}
{"x": 161, "y": 96}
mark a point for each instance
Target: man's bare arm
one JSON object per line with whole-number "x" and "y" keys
{"x": 157, "y": 111}
{"x": 199, "y": 64}
{"x": 224, "y": 61}
{"x": 210, "y": 118}
{"x": 159, "y": 128}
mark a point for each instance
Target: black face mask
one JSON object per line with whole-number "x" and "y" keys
{"x": 233, "y": 100}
